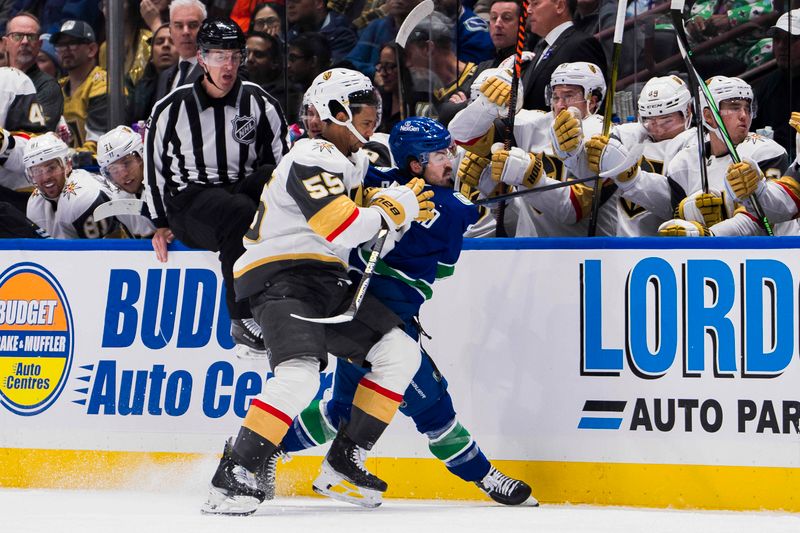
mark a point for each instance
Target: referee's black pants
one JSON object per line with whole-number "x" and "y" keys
{"x": 216, "y": 217}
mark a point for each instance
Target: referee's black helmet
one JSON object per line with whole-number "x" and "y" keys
{"x": 220, "y": 34}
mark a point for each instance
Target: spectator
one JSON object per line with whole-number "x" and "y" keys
{"x": 306, "y": 16}
{"x": 22, "y": 42}
{"x": 265, "y": 68}
{"x": 155, "y": 13}
{"x": 269, "y": 18}
{"x": 388, "y": 83}
{"x": 47, "y": 59}
{"x": 309, "y": 54}
{"x": 778, "y": 94}
{"x": 472, "y": 32}
{"x": 136, "y": 38}
{"x": 185, "y": 17}
{"x": 85, "y": 87}
{"x": 560, "y": 43}
{"x": 142, "y": 96}
{"x": 51, "y": 13}
{"x": 3, "y": 55}
{"x": 435, "y": 70}
{"x": 587, "y": 18}
{"x": 364, "y": 56}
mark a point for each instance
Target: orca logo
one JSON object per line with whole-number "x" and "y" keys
{"x": 36, "y": 339}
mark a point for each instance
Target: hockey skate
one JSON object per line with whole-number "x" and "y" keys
{"x": 343, "y": 476}
{"x": 246, "y": 333}
{"x": 506, "y": 490}
{"x": 265, "y": 476}
{"x": 233, "y": 489}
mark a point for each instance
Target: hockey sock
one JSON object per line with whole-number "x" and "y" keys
{"x": 373, "y": 409}
{"x": 312, "y": 428}
{"x": 458, "y": 450}
{"x": 263, "y": 426}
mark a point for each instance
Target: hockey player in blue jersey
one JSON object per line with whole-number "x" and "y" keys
{"x": 403, "y": 282}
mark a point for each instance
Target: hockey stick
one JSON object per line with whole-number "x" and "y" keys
{"x": 420, "y": 12}
{"x": 619, "y": 29}
{"x": 363, "y": 284}
{"x": 125, "y": 206}
{"x": 676, "y": 11}
{"x": 500, "y": 219}
{"x": 495, "y": 199}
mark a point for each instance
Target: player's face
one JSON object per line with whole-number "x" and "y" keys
{"x": 312, "y": 122}
{"x": 439, "y": 170}
{"x": 49, "y": 177}
{"x": 737, "y": 116}
{"x": 127, "y": 173}
{"x": 223, "y": 67}
{"x": 566, "y": 96}
{"x": 365, "y": 120}
{"x": 664, "y": 127}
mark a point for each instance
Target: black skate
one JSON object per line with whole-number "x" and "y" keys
{"x": 233, "y": 489}
{"x": 506, "y": 490}
{"x": 246, "y": 333}
{"x": 343, "y": 476}
{"x": 265, "y": 476}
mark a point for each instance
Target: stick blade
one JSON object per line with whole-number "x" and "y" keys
{"x": 338, "y": 319}
{"x": 123, "y": 206}
{"x": 417, "y": 15}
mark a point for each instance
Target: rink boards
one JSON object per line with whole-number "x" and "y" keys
{"x": 653, "y": 372}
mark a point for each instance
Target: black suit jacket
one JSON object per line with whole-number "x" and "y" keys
{"x": 165, "y": 79}
{"x": 572, "y": 45}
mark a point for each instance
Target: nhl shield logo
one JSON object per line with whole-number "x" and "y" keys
{"x": 244, "y": 129}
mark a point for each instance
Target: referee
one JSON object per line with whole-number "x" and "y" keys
{"x": 209, "y": 149}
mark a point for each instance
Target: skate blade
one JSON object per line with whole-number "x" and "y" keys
{"x": 219, "y": 503}
{"x": 344, "y": 491}
{"x": 245, "y": 352}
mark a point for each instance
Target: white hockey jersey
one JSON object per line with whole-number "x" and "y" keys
{"x": 12, "y": 171}
{"x": 684, "y": 178}
{"x": 306, "y": 216}
{"x": 71, "y": 215}
{"x": 137, "y": 226}
{"x": 19, "y": 107}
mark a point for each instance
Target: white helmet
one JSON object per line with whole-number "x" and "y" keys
{"x": 724, "y": 88}
{"x": 116, "y": 144}
{"x": 44, "y": 148}
{"x": 663, "y": 96}
{"x": 339, "y": 85}
{"x": 586, "y": 75}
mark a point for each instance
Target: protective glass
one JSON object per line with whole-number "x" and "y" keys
{"x": 563, "y": 97}
{"x": 737, "y": 106}
{"x": 663, "y": 123}
{"x": 43, "y": 171}
{"x": 122, "y": 167}
{"x": 219, "y": 58}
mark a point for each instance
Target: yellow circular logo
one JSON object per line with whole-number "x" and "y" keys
{"x": 36, "y": 339}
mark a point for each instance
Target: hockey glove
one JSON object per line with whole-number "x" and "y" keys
{"x": 705, "y": 208}
{"x": 403, "y": 204}
{"x": 471, "y": 168}
{"x": 515, "y": 166}
{"x": 743, "y": 179}
{"x": 683, "y": 228}
{"x": 609, "y": 158}
{"x": 794, "y": 121}
{"x": 566, "y": 134}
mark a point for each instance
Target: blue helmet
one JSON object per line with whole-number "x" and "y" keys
{"x": 415, "y": 138}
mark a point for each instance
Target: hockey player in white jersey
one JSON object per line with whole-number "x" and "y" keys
{"x": 638, "y": 155}
{"x": 64, "y": 200}
{"x": 119, "y": 154}
{"x": 533, "y": 162}
{"x": 295, "y": 265}
{"x": 734, "y": 99}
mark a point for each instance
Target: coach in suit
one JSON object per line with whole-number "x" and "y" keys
{"x": 185, "y": 17}
{"x": 560, "y": 43}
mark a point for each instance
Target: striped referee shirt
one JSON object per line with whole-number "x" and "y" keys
{"x": 193, "y": 138}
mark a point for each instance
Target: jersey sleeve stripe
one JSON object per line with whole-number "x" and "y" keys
{"x": 792, "y": 188}
{"x": 333, "y": 219}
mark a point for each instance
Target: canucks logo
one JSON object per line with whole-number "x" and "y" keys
{"x": 36, "y": 339}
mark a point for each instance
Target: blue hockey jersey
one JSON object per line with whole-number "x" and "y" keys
{"x": 428, "y": 251}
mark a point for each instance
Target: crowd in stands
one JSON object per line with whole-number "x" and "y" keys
{"x": 61, "y": 46}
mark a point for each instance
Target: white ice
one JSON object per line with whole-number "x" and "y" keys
{"x": 156, "y": 511}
